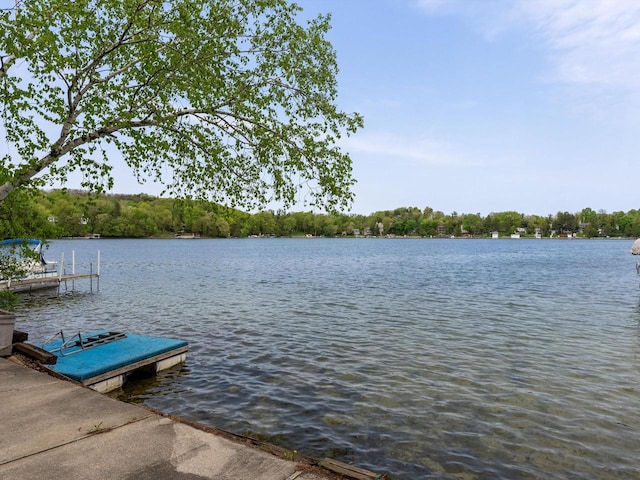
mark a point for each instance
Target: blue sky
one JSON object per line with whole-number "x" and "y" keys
{"x": 480, "y": 106}
{"x": 490, "y": 105}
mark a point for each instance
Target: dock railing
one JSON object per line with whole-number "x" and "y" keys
{"x": 53, "y": 278}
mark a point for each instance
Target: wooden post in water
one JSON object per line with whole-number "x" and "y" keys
{"x": 98, "y": 270}
{"x": 73, "y": 268}
{"x": 60, "y": 267}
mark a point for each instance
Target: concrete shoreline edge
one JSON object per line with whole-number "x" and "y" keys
{"x": 56, "y": 428}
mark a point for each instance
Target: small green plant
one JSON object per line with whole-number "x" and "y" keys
{"x": 8, "y": 300}
{"x": 97, "y": 428}
{"x": 18, "y": 258}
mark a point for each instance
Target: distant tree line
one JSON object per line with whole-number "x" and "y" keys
{"x": 62, "y": 213}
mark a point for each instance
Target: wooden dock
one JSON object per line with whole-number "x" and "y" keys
{"x": 46, "y": 281}
{"x": 53, "y": 279}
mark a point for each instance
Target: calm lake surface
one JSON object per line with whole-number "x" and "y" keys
{"x": 420, "y": 358}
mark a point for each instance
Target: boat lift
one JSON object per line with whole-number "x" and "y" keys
{"x": 53, "y": 274}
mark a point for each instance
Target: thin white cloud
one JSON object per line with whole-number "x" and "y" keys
{"x": 592, "y": 47}
{"x": 422, "y": 151}
{"x": 592, "y": 42}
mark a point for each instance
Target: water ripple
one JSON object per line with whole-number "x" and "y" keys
{"x": 426, "y": 359}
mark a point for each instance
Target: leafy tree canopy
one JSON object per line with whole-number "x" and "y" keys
{"x": 229, "y": 100}
{"x": 63, "y": 213}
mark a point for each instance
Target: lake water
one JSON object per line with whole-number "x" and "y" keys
{"x": 421, "y": 358}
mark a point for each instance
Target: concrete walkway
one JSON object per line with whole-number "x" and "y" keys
{"x": 53, "y": 429}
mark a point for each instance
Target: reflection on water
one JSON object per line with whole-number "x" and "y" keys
{"x": 139, "y": 388}
{"x": 423, "y": 358}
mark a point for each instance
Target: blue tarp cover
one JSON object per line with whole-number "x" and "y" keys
{"x": 20, "y": 241}
{"x": 111, "y": 356}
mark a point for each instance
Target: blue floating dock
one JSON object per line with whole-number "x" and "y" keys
{"x": 102, "y": 360}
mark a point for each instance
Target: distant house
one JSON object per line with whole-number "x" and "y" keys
{"x": 495, "y": 235}
{"x": 356, "y": 232}
{"x": 441, "y": 230}
{"x": 52, "y": 219}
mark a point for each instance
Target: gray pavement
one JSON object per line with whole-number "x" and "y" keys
{"x": 54, "y": 429}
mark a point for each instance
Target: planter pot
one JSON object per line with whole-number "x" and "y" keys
{"x": 7, "y": 322}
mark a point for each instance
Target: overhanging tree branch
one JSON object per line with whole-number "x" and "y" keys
{"x": 210, "y": 89}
